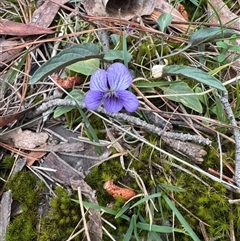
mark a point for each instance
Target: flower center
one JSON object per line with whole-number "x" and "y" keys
{"x": 110, "y": 93}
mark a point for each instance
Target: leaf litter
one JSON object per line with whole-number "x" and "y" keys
{"x": 63, "y": 157}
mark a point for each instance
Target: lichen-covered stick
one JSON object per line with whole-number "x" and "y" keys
{"x": 236, "y": 132}
{"x": 131, "y": 119}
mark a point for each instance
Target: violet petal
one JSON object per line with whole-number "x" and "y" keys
{"x": 119, "y": 77}
{"x": 93, "y": 99}
{"x": 98, "y": 80}
{"x": 128, "y": 99}
{"x": 112, "y": 104}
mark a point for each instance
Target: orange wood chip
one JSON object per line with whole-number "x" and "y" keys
{"x": 116, "y": 191}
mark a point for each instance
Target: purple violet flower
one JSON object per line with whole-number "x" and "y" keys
{"x": 108, "y": 87}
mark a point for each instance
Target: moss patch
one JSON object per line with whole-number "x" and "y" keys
{"x": 61, "y": 219}
{"x": 27, "y": 190}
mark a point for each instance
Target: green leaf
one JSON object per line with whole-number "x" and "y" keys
{"x": 155, "y": 228}
{"x": 179, "y": 89}
{"x": 221, "y": 57}
{"x": 116, "y": 54}
{"x": 145, "y": 84}
{"x": 196, "y": 3}
{"x": 209, "y": 34}
{"x": 203, "y": 98}
{"x": 101, "y": 208}
{"x": 143, "y": 200}
{"x": 172, "y": 188}
{"x": 164, "y": 21}
{"x": 128, "y": 234}
{"x": 115, "y": 38}
{"x": 154, "y": 236}
{"x": 126, "y": 54}
{"x": 181, "y": 218}
{"x": 234, "y": 48}
{"x": 77, "y": 94}
{"x": 66, "y": 57}
{"x": 86, "y": 67}
{"x": 222, "y": 44}
{"x": 193, "y": 73}
{"x": 122, "y": 210}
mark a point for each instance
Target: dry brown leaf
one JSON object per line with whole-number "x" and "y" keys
{"x": 44, "y": 15}
{"x": 5, "y": 120}
{"x": 41, "y": 19}
{"x": 24, "y": 139}
{"x": 8, "y": 27}
{"x": 65, "y": 147}
{"x": 64, "y": 172}
{"x": 227, "y": 18}
{"x": 126, "y": 9}
{"x": 183, "y": 11}
{"x": 34, "y": 156}
{"x": 8, "y": 55}
{"x": 67, "y": 83}
{"x": 164, "y": 7}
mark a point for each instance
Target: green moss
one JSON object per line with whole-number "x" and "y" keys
{"x": 8, "y": 162}
{"x": 61, "y": 219}
{"x": 111, "y": 169}
{"x": 210, "y": 204}
{"x": 22, "y": 228}
{"x": 27, "y": 189}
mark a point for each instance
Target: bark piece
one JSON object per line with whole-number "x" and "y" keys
{"x": 193, "y": 151}
{"x": 63, "y": 171}
{"x": 95, "y": 223}
{"x": 5, "y": 213}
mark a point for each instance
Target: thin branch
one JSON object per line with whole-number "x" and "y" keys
{"x": 131, "y": 119}
{"x": 236, "y": 132}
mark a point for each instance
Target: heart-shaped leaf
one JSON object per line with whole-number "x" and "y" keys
{"x": 193, "y": 73}
{"x": 86, "y": 67}
{"x": 179, "y": 89}
{"x": 66, "y": 57}
{"x": 209, "y": 34}
{"x": 164, "y": 21}
{"x": 116, "y": 54}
